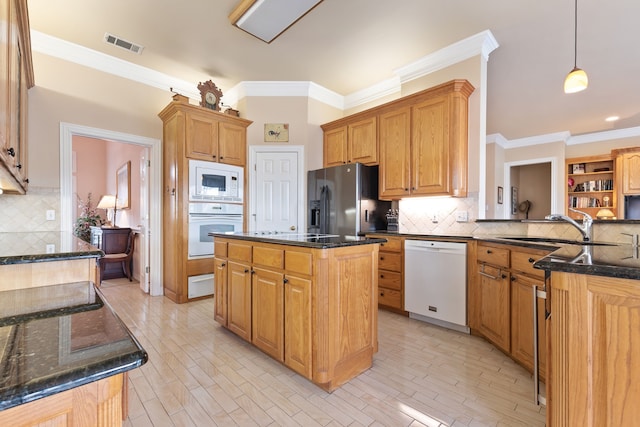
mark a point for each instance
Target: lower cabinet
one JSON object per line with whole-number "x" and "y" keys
{"x": 239, "y": 299}
{"x": 501, "y": 298}
{"x": 391, "y": 274}
{"x": 594, "y": 346}
{"x": 315, "y": 310}
{"x": 268, "y": 312}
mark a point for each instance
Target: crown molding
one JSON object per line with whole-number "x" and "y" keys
{"x": 80, "y": 55}
{"x": 606, "y": 135}
{"x": 283, "y": 89}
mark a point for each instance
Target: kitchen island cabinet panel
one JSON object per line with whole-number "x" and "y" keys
{"x": 267, "y": 312}
{"x": 297, "y": 325}
{"x": 595, "y": 344}
{"x": 239, "y": 299}
{"x": 317, "y": 313}
{"x": 220, "y": 283}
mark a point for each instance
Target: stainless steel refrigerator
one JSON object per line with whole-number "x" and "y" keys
{"x": 344, "y": 200}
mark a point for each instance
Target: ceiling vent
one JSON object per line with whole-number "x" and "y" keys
{"x": 122, "y": 43}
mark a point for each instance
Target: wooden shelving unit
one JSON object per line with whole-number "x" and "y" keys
{"x": 591, "y": 185}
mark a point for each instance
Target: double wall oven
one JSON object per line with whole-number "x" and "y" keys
{"x": 215, "y": 206}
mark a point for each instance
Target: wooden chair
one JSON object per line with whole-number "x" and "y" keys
{"x": 124, "y": 257}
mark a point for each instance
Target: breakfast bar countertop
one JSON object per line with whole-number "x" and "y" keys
{"x": 29, "y": 247}
{"x": 54, "y": 338}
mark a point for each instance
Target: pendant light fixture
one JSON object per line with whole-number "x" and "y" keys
{"x": 577, "y": 79}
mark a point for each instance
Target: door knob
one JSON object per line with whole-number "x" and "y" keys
{"x": 292, "y": 228}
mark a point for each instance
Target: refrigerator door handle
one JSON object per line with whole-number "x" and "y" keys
{"x": 324, "y": 209}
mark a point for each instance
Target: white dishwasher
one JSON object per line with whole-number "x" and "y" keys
{"x": 435, "y": 282}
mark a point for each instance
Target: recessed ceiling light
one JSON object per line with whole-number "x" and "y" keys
{"x": 612, "y": 118}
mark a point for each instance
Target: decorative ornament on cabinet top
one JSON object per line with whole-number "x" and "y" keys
{"x": 211, "y": 95}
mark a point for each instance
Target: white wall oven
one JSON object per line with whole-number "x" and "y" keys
{"x": 205, "y": 218}
{"x": 215, "y": 182}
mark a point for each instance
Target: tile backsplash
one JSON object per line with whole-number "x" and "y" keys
{"x": 28, "y": 213}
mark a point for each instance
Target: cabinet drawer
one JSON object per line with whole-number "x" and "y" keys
{"x": 523, "y": 261}
{"x": 391, "y": 245}
{"x": 220, "y": 248}
{"x": 390, "y": 261}
{"x": 239, "y": 251}
{"x": 298, "y": 262}
{"x": 390, "y": 298}
{"x": 493, "y": 255}
{"x": 390, "y": 280}
{"x": 268, "y": 257}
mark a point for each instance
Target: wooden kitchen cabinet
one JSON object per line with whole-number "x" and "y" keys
{"x": 350, "y": 141}
{"x": 423, "y": 143}
{"x": 220, "y": 291}
{"x": 190, "y": 132}
{"x": 501, "y": 301}
{"x": 391, "y": 274}
{"x": 523, "y": 279}
{"x": 211, "y": 137}
{"x": 312, "y": 309}
{"x": 629, "y": 164}
{"x": 267, "y": 312}
{"x": 15, "y": 79}
{"x": 595, "y": 337}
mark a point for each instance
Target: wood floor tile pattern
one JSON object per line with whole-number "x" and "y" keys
{"x": 199, "y": 374}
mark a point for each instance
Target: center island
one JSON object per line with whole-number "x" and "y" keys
{"x": 309, "y": 301}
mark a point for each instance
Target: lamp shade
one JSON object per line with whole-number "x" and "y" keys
{"x": 107, "y": 202}
{"x": 576, "y": 81}
{"x": 605, "y": 213}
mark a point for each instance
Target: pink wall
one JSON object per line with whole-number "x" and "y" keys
{"x": 96, "y": 163}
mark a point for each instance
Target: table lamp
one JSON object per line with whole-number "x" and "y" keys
{"x": 108, "y": 202}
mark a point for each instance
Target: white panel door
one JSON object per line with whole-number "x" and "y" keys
{"x": 276, "y": 191}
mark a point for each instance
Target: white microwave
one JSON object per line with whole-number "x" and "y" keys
{"x": 210, "y": 181}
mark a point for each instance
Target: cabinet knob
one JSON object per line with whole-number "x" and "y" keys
{"x": 246, "y": 270}
{"x": 26, "y": 180}
{"x": 11, "y": 152}
{"x": 513, "y": 278}
{"x": 406, "y": 189}
{"x": 221, "y": 157}
{"x": 19, "y": 166}
{"x": 531, "y": 260}
{"x": 285, "y": 280}
{"x": 214, "y": 156}
{"x": 381, "y": 258}
{"x": 504, "y": 276}
{"x": 489, "y": 251}
{"x": 381, "y": 294}
{"x": 223, "y": 264}
{"x": 382, "y": 276}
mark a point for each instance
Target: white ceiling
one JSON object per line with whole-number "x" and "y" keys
{"x": 349, "y": 45}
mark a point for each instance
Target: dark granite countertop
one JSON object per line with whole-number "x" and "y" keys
{"x": 20, "y": 248}
{"x": 308, "y": 240}
{"x": 54, "y": 338}
{"x": 423, "y": 235}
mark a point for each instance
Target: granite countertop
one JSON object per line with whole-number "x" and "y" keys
{"x": 54, "y": 338}
{"x": 308, "y": 240}
{"x": 28, "y": 247}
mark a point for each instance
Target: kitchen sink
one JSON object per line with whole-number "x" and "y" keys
{"x": 556, "y": 241}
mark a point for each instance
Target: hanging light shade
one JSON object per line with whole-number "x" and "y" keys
{"x": 577, "y": 79}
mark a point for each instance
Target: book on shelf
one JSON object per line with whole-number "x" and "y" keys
{"x": 595, "y": 185}
{"x": 584, "y": 202}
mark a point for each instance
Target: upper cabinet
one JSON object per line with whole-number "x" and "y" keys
{"x": 16, "y": 77}
{"x": 351, "y": 140}
{"x": 421, "y": 140}
{"x": 215, "y": 137}
{"x": 629, "y": 166}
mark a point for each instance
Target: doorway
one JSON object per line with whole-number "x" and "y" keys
{"x": 277, "y": 188}
{"x": 153, "y": 240}
{"x": 520, "y": 187}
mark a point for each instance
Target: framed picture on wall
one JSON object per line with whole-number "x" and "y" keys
{"x": 514, "y": 200}
{"x": 123, "y": 186}
{"x": 500, "y": 195}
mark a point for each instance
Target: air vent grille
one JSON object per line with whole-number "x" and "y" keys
{"x": 122, "y": 43}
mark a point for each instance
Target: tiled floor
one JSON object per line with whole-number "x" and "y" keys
{"x": 199, "y": 374}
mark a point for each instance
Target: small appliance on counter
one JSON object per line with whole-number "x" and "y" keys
{"x": 392, "y": 220}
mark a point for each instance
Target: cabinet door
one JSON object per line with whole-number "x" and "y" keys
{"x": 297, "y": 325}
{"x": 631, "y": 173}
{"x": 494, "y": 304}
{"x": 232, "y": 144}
{"x": 268, "y": 314}
{"x": 335, "y": 147}
{"x": 201, "y": 137}
{"x": 430, "y": 147}
{"x": 239, "y": 299}
{"x": 395, "y": 153}
{"x": 522, "y": 322}
{"x": 363, "y": 142}
{"x": 220, "y": 294}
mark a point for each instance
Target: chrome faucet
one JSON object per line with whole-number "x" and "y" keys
{"x": 585, "y": 228}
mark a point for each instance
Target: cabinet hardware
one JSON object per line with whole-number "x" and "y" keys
{"x": 531, "y": 260}
{"x": 482, "y": 273}
{"x": 11, "y": 152}
{"x": 246, "y": 270}
{"x": 285, "y": 280}
{"x": 514, "y": 278}
{"x": 19, "y": 166}
{"x": 489, "y": 251}
{"x": 26, "y": 180}
{"x": 223, "y": 265}
{"x": 382, "y": 276}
